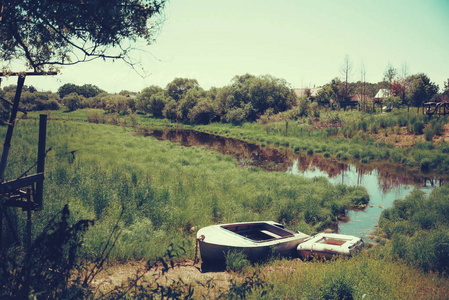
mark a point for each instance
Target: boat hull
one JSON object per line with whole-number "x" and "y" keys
{"x": 256, "y": 240}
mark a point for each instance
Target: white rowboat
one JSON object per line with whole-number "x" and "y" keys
{"x": 327, "y": 245}
{"x": 255, "y": 239}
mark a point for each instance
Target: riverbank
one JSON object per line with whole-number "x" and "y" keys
{"x": 160, "y": 193}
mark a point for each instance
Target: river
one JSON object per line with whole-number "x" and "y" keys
{"x": 384, "y": 182}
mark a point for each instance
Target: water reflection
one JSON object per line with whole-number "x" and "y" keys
{"x": 384, "y": 182}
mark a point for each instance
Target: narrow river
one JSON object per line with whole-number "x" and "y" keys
{"x": 384, "y": 184}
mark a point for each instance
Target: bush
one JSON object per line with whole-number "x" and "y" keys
{"x": 337, "y": 286}
{"x": 418, "y": 127}
{"x": 236, "y": 261}
{"x": 203, "y": 112}
{"x": 428, "y": 133}
{"x": 72, "y": 101}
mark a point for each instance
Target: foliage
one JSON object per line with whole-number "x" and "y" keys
{"x": 249, "y": 97}
{"x": 55, "y": 32}
{"x": 419, "y": 229}
{"x": 72, "y": 101}
{"x": 86, "y": 90}
{"x": 31, "y": 99}
{"x": 236, "y": 260}
{"x": 392, "y": 102}
{"x": 421, "y": 89}
{"x": 164, "y": 189}
{"x": 117, "y": 103}
{"x": 45, "y": 268}
{"x": 144, "y": 102}
{"x": 203, "y": 112}
{"x": 179, "y": 87}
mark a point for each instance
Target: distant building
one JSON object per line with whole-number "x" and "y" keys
{"x": 309, "y": 92}
{"x": 381, "y": 95}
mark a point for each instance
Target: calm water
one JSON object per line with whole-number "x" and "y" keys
{"x": 385, "y": 183}
{"x": 362, "y": 223}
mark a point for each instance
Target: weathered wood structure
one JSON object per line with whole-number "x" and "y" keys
{"x": 26, "y": 191}
{"x": 436, "y": 108}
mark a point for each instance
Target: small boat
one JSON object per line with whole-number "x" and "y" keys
{"x": 256, "y": 239}
{"x": 328, "y": 245}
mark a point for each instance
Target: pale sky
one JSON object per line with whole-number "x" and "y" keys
{"x": 303, "y": 42}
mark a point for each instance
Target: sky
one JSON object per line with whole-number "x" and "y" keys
{"x": 303, "y": 42}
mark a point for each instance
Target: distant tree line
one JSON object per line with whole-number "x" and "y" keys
{"x": 246, "y": 98}
{"x": 414, "y": 90}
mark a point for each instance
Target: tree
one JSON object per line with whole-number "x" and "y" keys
{"x": 89, "y": 90}
{"x": 338, "y": 89}
{"x": 345, "y": 70}
{"x": 72, "y": 101}
{"x": 49, "y": 33}
{"x": 67, "y": 89}
{"x": 189, "y": 101}
{"x": 421, "y": 89}
{"x": 389, "y": 74}
{"x": 86, "y": 90}
{"x": 179, "y": 87}
{"x": 203, "y": 112}
{"x": 156, "y": 104}
{"x": 143, "y": 98}
{"x": 445, "y": 94}
{"x": 248, "y": 97}
{"x": 326, "y": 94}
{"x": 363, "y": 82}
{"x": 397, "y": 88}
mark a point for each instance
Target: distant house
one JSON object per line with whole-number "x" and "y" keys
{"x": 309, "y": 92}
{"x": 381, "y": 95}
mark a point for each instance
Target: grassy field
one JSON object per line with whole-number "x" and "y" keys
{"x": 165, "y": 191}
{"x": 160, "y": 193}
{"x": 399, "y": 137}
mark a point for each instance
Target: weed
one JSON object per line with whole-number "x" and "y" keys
{"x": 236, "y": 260}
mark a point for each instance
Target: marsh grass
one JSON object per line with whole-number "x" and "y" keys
{"x": 354, "y": 129}
{"x": 165, "y": 191}
{"x": 361, "y": 277}
{"x": 418, "y": 229}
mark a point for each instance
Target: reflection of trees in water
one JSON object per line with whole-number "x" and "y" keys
{"x": 271, "y": 159}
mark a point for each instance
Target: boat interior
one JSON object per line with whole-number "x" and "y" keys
{"x": 331, "y": 241}
{"x": 259, "y": 231}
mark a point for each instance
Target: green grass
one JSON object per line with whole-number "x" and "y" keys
{"x": 166, "y": 191}
{"x": 361, "y": 277}
{"x": 418, "y": 228}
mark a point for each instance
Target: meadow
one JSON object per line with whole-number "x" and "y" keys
{"x": 158, "y": 193}
{"x": 164, "y": 192}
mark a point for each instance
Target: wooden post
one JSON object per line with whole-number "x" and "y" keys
{"x": 1, "y": 227}
{"x": 28, "y": 230}
{"x": 12, "y": 120}
{"x": 41, "y": 158}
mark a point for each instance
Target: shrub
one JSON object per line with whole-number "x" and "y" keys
{"x": 236, "y": 261}
{"x": 72, "y": 101}
{"x": 337, "y": 286}
{"x": 428, "y": 133}
{"x": 443, "y": 147}
{"x": 203, "y": 112}
{"x": 426, "y": 164}
{"x": 418, "y": 127}
{"x": 437, "y": 128}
